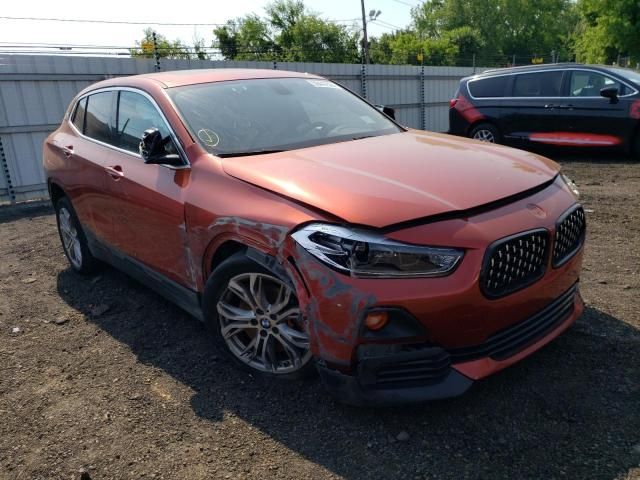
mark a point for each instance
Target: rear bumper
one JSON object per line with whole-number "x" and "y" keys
{"x": 433, "y": 373}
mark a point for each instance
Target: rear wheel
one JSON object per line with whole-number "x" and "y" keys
{"x": 256, "y": 320}
{"x": 74, "y": 242}
{"x": 485, "y": 132}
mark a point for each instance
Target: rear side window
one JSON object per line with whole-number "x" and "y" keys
{"x": 589, "y": 84}
{"x": 135, "y": 115}
{"x": 97, "y": 122}
{"x": 489, "y": 87}
{"x": 540, "y": 84}
{"x": 78, "y": 114}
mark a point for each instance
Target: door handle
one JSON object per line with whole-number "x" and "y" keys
{"x": 115, "y": 172}
{"x": 67, "y": 150}
{"x": 567, "y": 106}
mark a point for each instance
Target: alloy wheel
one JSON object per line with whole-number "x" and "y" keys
{"x": 260, "y": 323}
{"x": 70, "y": 239}
{"x": 484, "y": 136}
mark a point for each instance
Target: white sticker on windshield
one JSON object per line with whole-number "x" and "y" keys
{"x": 323, "y": 84}
{"x": 367, "y": 119}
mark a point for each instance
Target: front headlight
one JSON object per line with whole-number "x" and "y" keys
{"x": 362, "y": 253}
{"x": 571, "y": 185}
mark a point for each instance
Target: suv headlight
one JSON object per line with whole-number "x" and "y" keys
{"x": 363, "y": 253}
{"x": 571, "y": 185}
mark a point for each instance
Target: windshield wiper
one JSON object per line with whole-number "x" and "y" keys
{"x": 248, "y": 153}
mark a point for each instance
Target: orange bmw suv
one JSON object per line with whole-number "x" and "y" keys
{"x": 311, "y": 232}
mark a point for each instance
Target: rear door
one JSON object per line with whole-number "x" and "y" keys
{"x": 147, "y": 200}
{"x": 88, "y": 151}
{"x": 590, "y": 120}
{"x": 533, "y": 108}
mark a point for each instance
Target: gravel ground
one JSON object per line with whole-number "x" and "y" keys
{"x": 101, "y": 378}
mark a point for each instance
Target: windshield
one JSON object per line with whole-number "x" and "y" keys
{"x": 261, "y": 115}
{"x": 629, "y": 74}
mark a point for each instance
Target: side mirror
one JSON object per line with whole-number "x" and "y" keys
{"x": 152, "y": 148}
{"x": 388, "y": 111}
{"x": 611, "y": 93}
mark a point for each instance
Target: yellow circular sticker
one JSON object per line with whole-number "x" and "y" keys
{"x": 208, "y": 137}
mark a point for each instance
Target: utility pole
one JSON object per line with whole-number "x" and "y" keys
{"x": 365, "y": 42}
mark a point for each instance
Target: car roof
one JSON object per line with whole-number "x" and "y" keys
{"x": 178, "y": 78}
{"x": 525, "y": 68}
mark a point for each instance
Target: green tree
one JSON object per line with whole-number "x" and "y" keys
{"x": 288, "y": 33}
{"x": 495, "y": 28}
{"x": 165, "y": 47}
{"x": 608, "y": 28}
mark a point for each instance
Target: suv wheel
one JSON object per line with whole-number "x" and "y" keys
{"x": 256, "y": 320}
{"x": 485, "y": 132}
{"x": 74, "y": 242}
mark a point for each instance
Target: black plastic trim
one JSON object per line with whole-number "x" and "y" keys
{"x": 513, "y": 339}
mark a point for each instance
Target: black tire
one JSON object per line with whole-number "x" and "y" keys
{"x": 85, "y": 263}
{"x": 484, "y": 132}
{"x": 233, "y": 267}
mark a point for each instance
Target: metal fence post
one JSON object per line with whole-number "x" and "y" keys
{"x": 156, "y": 54}
{"x": 423, "y": 107}
{"x": 6, "y": 174}
{"x": 363, "y": 80}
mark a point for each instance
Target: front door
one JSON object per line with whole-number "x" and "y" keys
{"x": 589, "y": 119}
{"x": 148, "y": 200}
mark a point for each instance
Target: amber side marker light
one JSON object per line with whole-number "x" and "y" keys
{"x": 376, "y": 320}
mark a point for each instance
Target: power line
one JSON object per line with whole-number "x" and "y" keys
{"x": 412, "y": 5}
{"x": 128, "y": 22}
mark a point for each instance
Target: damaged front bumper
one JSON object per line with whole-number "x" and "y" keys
{"x": 399, "y": 374}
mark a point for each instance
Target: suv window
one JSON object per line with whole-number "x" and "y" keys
{"x": 135, "y": 115}
{"x": 589, "y": 84}
{"x": 539, "y": 84}
{"x": 489, "y": 87}
{"x": 98, "y": 114}
{"x": 78, "y": 115}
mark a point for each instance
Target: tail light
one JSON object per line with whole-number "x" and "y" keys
{"x": 452, "y": 102}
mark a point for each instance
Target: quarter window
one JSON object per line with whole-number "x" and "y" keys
{"x": 78, "y": 114}
{"x": 98, "y": 113}
{"x": 540, "y": 84}
{"x": 589, "y": 84}
{"x": 489, "y": 87}
{"x": 135, "y": 115}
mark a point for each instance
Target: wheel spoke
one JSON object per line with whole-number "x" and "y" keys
{"x": 240, "y": 292}
{"x": 290, "y": 312}
{"x": 289, "y": 349}
{"x": 235, "y": 313}
{"x": 257, "y": 292}
{"x": 295, "y": 337}
{"x": 283, "y": 299}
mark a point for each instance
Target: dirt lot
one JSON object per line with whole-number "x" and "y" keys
{"x": 106, "y": 377}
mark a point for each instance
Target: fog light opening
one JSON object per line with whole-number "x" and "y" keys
{"x": 376, "y": 320}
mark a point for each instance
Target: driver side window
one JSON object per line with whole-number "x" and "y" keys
{"x": 589, "y": 84}
{"x": 135, "y": 115}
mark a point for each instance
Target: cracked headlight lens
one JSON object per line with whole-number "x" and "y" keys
{"x": 363, "y": 253}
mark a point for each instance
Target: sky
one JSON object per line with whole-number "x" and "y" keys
{"x": 394, "y": 13}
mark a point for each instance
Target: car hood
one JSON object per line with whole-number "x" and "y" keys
{"x": 389, "y": 179}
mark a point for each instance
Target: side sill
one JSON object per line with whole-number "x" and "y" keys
{"x": 181, "y": 296}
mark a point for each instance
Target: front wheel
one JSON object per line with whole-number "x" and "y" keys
{"x": 485, "y": 132}
{"x": 256, "y": 320}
